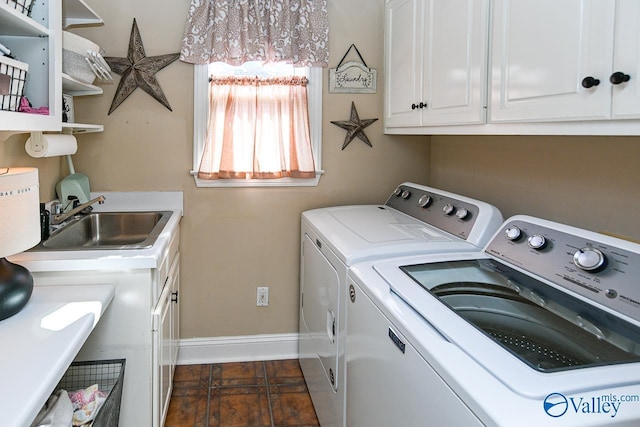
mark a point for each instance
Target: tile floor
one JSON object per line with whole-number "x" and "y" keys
{"x": 270, "y": 393}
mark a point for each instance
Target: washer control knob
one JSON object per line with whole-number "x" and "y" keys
{"x": 589, "y": 259}
{"x": 449, "y": 209}
{"x": 406, "y": 194}
{"x": 537, "y": 241}
{"x": 424, "y": 200}
{"x": 462, "y": 213}
{"x": 397, "y": 192}
{"x": 513, "y": 233}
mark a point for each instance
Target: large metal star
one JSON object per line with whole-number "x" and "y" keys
{"x": 355, "y": 127}
{"x": 138, "y": 71}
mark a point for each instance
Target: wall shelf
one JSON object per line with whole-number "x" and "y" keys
{"x": 14, "y": 23}
{"x": 79, "y": 128}
{"x": 78, "y": 13}
{"x": 74, "y": 87}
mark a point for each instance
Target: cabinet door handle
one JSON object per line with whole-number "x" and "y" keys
{"x": 589, "y": 82}
{"x": 174, "y": 296}
{"x": 414, "y": 106}
{"x": 619, "y": 77}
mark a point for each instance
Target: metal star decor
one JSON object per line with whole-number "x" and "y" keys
{"x": 355, "y": 127}
{"x": 138, "y": 71}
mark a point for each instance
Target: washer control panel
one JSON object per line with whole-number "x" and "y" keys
{"x": 596, "y": 266}
{"x": 456, "y": 216}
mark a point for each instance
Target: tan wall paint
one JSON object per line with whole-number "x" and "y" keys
{"x": 234, "y": 240}
{"x": 589, "y": 182}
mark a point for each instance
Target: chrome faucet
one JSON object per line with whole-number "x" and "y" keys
{"x": 58, "y": 219}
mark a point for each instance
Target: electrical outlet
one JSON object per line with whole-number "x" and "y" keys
{"x": 263, "y": 296}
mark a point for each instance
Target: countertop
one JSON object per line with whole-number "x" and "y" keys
{"x": 113, "y": 259}
{"x": 40, "y": 342}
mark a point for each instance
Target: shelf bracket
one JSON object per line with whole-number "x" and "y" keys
{"x": 36, "y": 142}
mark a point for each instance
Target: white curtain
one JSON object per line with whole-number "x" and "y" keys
{"x": 237, "y": 31}
{"x": 258, "y": 129}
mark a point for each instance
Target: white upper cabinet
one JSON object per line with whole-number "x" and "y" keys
{"x": 435, "y": 62}
{"x": 569, "y": 60}
{"x": 513, "y": 67}
{"x": 626, "y": 60}
{"x": 403, "y": 62}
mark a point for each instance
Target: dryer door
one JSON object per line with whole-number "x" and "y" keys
{"x": 320, "y": 308}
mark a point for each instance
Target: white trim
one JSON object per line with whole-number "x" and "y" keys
{"x": 201, "y": 117}
{"x": 244, "y": 348}
{"x": 280, "y": 182}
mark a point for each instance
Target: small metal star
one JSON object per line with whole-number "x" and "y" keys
{"x": 355, "y": 127}
{"x": 138, "y": 71}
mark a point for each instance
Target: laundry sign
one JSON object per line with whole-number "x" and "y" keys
{"x": 353, "y": 76}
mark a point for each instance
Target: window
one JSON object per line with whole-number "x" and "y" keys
{"x": 202, "y": 114}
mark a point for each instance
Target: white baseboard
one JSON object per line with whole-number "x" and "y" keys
{"x": 238, "y": 348}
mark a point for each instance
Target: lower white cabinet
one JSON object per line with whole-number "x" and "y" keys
{"x": 141, "y": 326}
{"x": 165, "y": 341}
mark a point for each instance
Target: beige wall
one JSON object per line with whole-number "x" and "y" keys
{"x": 234, "y": 240}
{"x": 589, "y": 182}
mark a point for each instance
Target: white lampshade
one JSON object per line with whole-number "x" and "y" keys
{"x": 19, "y": 210}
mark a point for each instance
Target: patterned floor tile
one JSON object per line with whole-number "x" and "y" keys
{"x": 244, "y": 394}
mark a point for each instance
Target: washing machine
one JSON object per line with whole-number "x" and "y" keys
{"x": 541, "y": 327}
{"x": 415, "y": 219}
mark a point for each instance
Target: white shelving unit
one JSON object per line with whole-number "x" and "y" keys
{"x": 37, "y": 40}
{"x": 78, "y": 13}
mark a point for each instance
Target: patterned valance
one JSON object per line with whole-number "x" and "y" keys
{"x": 237, "y": 31}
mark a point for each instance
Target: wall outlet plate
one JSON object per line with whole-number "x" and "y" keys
{"x": 262, "y": 296}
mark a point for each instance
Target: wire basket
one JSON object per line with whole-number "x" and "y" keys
{"x": 109, "y": 375}
{"x": 22, "y": 6}
{"x": 13, "y": 76}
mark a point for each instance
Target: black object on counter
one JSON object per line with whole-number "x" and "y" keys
{"x": 44, "y": 223}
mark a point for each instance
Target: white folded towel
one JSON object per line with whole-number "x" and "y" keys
{"x": 57, "y": 412}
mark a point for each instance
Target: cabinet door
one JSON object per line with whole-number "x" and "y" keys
{"x": 403, "y": 62}
{"x": 174, "y": 277}
{"x": 162, "y": 375}
{"x": 542, "y": 52}
{"x": 626, "y": 96}
{"x": 455, "y": 61}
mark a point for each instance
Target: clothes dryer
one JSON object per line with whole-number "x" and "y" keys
{"x": 414, "y": 220}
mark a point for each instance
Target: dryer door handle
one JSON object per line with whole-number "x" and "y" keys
{"x": 331, "y": 326}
